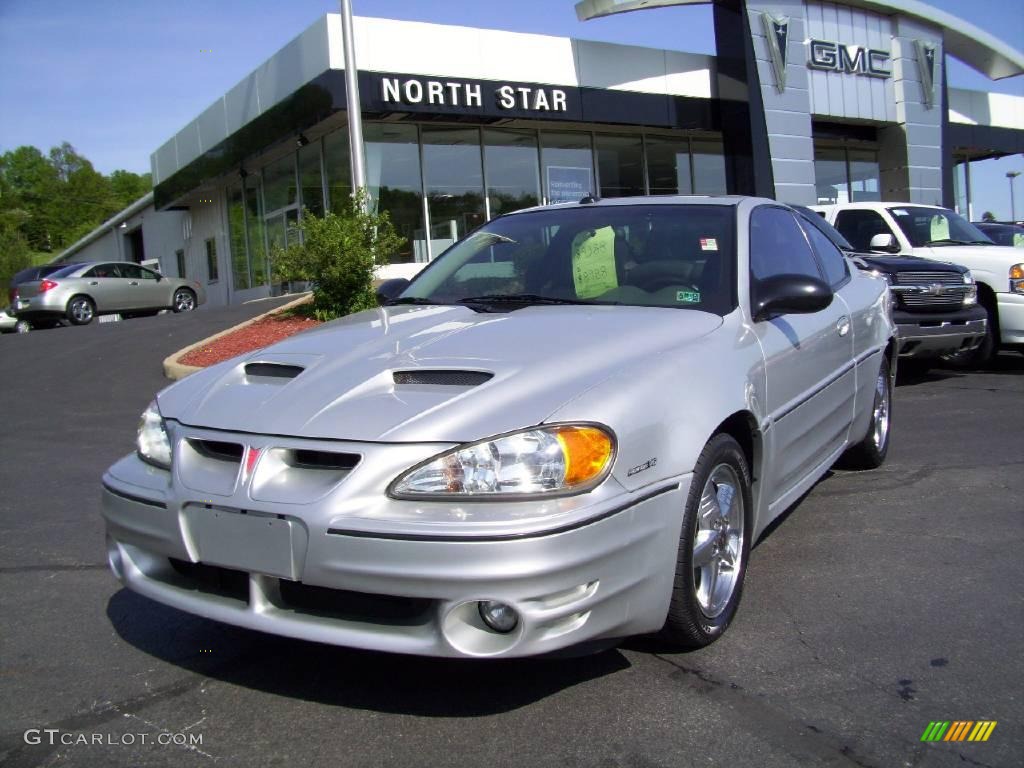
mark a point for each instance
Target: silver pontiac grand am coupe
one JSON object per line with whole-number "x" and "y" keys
{"x": 566, "y": 430}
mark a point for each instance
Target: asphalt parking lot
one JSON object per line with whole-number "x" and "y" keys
{"x": 883, "y": 601}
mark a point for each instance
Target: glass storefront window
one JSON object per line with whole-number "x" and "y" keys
{"x": 620, "y": 165}
{"x": 830, "y": 176}
{"x": 865, "y": 175}
{"x": 708, "y": 167}
{"x": 311, "y": 178}
{"x": 393, "y": 177}
{"x": 279, "y": 189}
{"x": 339, "y": 170}
{"x": 454, "y": 180}
{"x": 254, "y": 226}
{"x": 668, "y": 166}
{"x": 513, "y": 171}
{"x": 567, "y": 166}
{"x": 236, "y": 239}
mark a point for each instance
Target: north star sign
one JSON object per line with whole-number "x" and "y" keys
{"x": 454, "y": 93}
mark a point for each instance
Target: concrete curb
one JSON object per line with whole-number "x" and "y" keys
{"x": 174, "y": 370}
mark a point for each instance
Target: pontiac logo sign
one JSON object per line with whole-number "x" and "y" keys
{"x": 777, "y": 32}
{"x": 849, "y": 59}
{"x": 926, "y": 69}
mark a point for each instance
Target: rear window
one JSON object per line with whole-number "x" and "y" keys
{"x": 65, "y": 271}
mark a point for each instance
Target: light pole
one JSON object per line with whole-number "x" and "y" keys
{"x": 1011, "y": 175}
{"x": 355, "y": 114}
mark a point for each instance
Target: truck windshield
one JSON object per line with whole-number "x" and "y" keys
{"x": 934, "y": 226}
{"x": 679, "y": 256}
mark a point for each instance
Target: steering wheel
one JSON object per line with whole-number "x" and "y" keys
{"x": 656, "y": 275}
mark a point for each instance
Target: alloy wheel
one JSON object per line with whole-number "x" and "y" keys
{"x": 718, "y": 541}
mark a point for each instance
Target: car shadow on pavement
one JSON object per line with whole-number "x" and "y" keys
{"x": 346, "y": 677}
{"x": 910, "y": 374}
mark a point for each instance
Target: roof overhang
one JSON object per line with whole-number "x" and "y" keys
{"x": 962, "y": 40}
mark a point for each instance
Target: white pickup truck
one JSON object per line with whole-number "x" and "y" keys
{"x": 909, "y": 229}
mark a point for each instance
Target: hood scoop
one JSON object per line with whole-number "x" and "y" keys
{"x": 273, "y": 370}
{"x": 443, "y": 378}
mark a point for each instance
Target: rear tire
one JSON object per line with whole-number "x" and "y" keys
{"x": 184, "y": 300}
{"x": 870, "y": 452}
{"x": 81, "y": 310}
{"x": 713, "y": 547}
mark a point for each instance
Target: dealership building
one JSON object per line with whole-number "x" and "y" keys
{"x": 805, "y": 102}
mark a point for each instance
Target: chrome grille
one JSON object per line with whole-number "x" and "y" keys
{"x": 916, "y": 290}
{"x": 929, "y": 278}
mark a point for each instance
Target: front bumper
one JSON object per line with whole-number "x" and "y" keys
{"x": 934, "y": 334}
{"x": 608, "y": 575}
{"x": 1011, "y": 317}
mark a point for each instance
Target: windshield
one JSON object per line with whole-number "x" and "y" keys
{"x": 679, "y": 256}
{"x": 935, "y": 226}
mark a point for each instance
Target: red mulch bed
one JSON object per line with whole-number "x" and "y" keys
{"x": 255, "y": 336}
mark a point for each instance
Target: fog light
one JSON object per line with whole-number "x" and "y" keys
{"x": 498, "y": 616}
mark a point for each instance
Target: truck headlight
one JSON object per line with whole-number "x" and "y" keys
{"x": 1017, "y": 278}
{"x": 542, "y": 461}
{"x": 971, "y": 296}
{"x": 152, "y": 443}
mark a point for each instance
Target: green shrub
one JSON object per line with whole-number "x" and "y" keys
{"x": 337, "y": 255}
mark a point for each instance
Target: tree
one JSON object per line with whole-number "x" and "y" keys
{"x": 988, "y": 216}
{"x": 337, "y": 254}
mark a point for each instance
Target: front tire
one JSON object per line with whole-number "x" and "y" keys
{"x": 81, "y": 310}
{"x": 184, "y": 300}
{"x": 713, "y": 547}
{"x": 982, "y": 354}
{"x": 870, "y": 452}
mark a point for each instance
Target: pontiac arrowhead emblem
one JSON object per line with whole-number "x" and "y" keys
{"x": 777, "y": 33}
{"x": 926, "y": 69}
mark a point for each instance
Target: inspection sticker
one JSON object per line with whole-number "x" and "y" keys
{"x": 708, "y": 244}
{"x": 688, "y": 297}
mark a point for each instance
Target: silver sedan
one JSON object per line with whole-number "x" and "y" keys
{"x": 568, "y": 429}
{"x": 80, "y": 292}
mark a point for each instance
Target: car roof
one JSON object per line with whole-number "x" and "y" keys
{"x": 618, "y": 202}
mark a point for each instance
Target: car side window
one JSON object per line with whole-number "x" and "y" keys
{"x": 100, "y": 270}
{"x": 778, "y": 245}
{"x": 147, "y": 274}
{"x": 831, "y": 258}
{"x": 860, "y": 225}
{"x": 130, "y": 271}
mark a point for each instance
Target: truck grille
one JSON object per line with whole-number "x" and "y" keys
{"x": 930, "y": 290}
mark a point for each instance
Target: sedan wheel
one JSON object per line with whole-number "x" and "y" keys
{"x": 870, "y": 452}
{"x": 713, "y": 548}
{"x": 184, "y": 300}
{"x": 81, "y": 310}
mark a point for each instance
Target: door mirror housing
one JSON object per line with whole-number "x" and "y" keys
{"x": 885, "y": 242}
{"x": 389, "y": 289}
{"x": 789, "y": 295}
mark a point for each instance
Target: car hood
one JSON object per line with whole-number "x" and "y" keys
{"x": 540, "y": 357}
{"x": 895, "y": 264}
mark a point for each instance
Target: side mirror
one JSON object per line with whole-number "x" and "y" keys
{"x": 789, "y": 295}
{"x": 389, "y": 289}
{"x": 885, "y": 242}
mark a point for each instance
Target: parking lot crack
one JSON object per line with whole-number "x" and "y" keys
{"x": 54, "y": 568}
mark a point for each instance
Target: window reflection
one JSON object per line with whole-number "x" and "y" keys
{"x": 393, "y": 178}
{"x": 513, "y": 175}
{"x": 568, "y": 166}
{"x": 339, "y": 170}
{"x": 279, "y": 186}
{"x": 668, "y": 166}
{"x": 620, "y": 165}
{"x": 311, "y": 178}
{"x": 454, "y": 182}
{"x": 708, "y": 167}
{"x": 236, "y": 239}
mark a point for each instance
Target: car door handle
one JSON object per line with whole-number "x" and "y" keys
{"x": 133, "y": 282}
{"x": 94, "y": 282}
{"x": 843, "y": 325}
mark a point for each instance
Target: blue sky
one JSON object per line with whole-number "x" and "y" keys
{"x": 117, "y": 78}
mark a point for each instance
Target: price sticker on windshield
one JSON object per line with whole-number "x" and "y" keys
{"x": 593, "y": 263}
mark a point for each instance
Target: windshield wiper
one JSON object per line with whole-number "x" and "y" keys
{"x": 408, "y": 300}
{"x": 525, "y": 298}
{"x": 948, "y": 241}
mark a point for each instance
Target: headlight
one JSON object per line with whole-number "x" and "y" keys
{"x": 151, "y": 442}
{"x": 884, "y": 275}
{"x": 1017, "y": 278}
{"x": 971, "y": 296}
{"x": 555, "y": 460}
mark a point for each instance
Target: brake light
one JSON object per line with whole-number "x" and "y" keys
{"x": 46, "y": 285}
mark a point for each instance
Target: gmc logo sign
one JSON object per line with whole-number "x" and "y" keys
{"x": 848, "y": 59}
